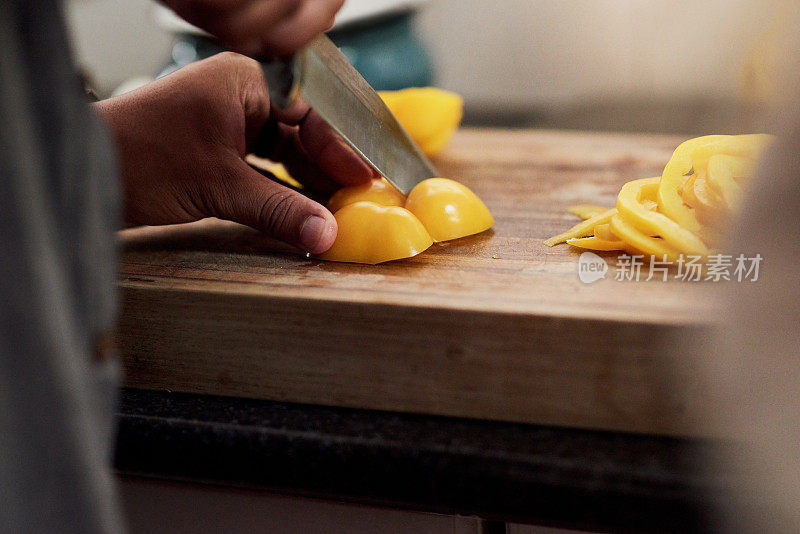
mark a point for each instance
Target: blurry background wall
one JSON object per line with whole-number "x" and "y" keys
{"x": 525, "y": 62}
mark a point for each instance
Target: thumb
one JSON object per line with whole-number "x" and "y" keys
{"x": 249, "y": 198}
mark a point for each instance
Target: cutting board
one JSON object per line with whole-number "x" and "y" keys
{"x": 494, "y": 326}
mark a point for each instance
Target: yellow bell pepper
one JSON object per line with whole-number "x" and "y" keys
{"x": 379, "y": 191}
{"x": 429, "y": 115}
{"x": 448, "y": 209}
{"x": 377, "y": 223}
{"x": 370, "y": 233}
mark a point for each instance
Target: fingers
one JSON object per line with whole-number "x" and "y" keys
{"x": 290, "y": 152}
{"x": 331, "y": 153}
{"x": 248, "y": 24}
{"x": 247, "y": 197}
{"x": 311, "y": 18}
{"x": 313, "y": 153}
{"x": 260, "y": 27}
{"x": 313, "y": 141}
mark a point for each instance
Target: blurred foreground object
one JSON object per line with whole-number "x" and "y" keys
{"x": 755, "y": 359}
{"x": 763, "y": 69}
{"x": 753, "y": 364}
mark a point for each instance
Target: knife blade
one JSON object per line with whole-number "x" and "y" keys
{"x": 329, "y": 83}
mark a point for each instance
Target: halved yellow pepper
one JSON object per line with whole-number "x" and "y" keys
{"x": 370, "y": 233}
{"x": 448, "y": 209}
{"x": 379, "y": 191}
{"x": 429, "y": 115}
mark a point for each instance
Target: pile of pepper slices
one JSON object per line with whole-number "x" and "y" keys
{"x": 682, "y": 212}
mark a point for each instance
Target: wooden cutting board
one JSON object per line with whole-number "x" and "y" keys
{"x": 493, "y": 326}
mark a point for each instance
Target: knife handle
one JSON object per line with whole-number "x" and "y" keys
{"x": 283, "y": 77}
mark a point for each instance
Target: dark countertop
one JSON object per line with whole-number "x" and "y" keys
{"x": 512, "y": 472}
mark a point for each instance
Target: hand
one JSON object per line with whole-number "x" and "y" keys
{"x": 260, "y": 27}
{"x": 181, "y": 141}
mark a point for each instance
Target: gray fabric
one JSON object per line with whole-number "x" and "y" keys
{"x": 58, "y": 212}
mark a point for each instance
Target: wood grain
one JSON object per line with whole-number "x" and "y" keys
{"x": 491, "y": 326}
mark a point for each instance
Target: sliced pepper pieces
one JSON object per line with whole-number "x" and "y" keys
{"x": 682, "y": 212}
{"x": 583, "y": 229}
{"x": 640, "y": 241}
{"x": 651, "y": 223}
{"x": 695, "y": 154}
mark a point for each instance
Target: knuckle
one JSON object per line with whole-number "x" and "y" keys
{"x": 231, "y": 58}
{"x": 235, "y": 62}
{"x": 247, "y": 67}
{"x": 244, "y": 69}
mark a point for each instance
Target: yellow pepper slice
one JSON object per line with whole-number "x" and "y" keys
{"x": 429, "y": 115}
{"x": 722, "y": 174}
{"x": 603, "y": 231}
{"x": 649, "y": 204}
{"x": 586, "y": 211}
{"x": 277, "y": 170}
{"x": 642, "y": 242}
{"x": 448, "y": 209}
{"x": 582, "y": 229}
{"x": 709, "y": 207}
{"x": 379, "y": 191}
{"x": 689, "y": 194}
{"x": 597, "y": 243}
{"x": 696, "y": 152}
{"x": 370, "y": 233}
{"x": 650, "y": 223}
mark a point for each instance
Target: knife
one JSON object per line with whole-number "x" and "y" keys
{"x": 328, "y": 82}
